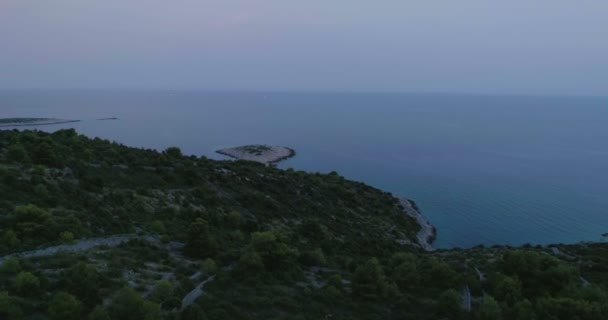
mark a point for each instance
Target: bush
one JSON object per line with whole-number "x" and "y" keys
{"x": 64, "y": 306}
{"x": 163, "y": 291}
{"x": 127, "y": 304}
{"x": 26, "y": 283}
{"x": 10, "y": 266}
{"x": 17, "y": 153}
{"x": 450, "y": 304}
{"x": 9, "y": 308}
{"x": 66, "y": 237}
{"x": 99, "y": 313}
{"x": 369, "y": 281}
{"x": 174, "y": 152}
{"x": 209, "y": 266}
{"x": 489, "y": 309}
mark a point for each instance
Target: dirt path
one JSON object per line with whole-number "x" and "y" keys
{"x": 194, "y": 294}
{"x": 78, "y": 246}
{"x": 482, "y": 277}
{"x": 465, "y": 294}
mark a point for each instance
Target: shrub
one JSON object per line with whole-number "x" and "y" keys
{"x": 26, "y": 283}
{"x": 64, "y": 306}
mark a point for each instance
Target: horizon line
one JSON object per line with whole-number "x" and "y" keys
{"x": 280, "y": 91}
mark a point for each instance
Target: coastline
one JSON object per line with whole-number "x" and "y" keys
{"x": 270, "y": 154}
{"x": 428, "y": 233}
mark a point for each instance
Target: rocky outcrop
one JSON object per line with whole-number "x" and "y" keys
{"x": 259, "y": 153}
{"x": 428, "y": 233}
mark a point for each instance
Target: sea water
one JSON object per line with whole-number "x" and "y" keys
{"x": 484, "y": 169}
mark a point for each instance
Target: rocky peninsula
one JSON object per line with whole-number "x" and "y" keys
{"x": 259, "y": 153}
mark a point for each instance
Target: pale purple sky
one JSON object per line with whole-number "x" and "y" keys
{"x": 468, "y": 46}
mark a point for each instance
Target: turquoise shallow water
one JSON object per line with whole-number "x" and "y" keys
{"x": 484, "y": 169}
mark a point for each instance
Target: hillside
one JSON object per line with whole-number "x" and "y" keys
{"x": 94, "y": 229}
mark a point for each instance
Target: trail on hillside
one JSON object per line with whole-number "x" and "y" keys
{"x": 77, "y": 246}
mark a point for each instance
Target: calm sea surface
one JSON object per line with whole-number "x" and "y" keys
{"x": 484, "y": 169}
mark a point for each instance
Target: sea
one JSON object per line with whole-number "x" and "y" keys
{"x": 507, "y": 170}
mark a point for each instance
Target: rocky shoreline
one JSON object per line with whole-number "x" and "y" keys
{"x": 428, "y": 233}
{"x": 259, "y": 153}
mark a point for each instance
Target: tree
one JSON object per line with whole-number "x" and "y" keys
{"x": 331, "y": 293}
{"x": 64, "y": 306}
{"x": 312, "y": 230}
{"x": 9, "y": 307}
{"x": 151, "y": 311}
{"x": 368, "y": 280}
{"x": 539, "y": 273}
{"x": 489, "y": 309}
{"x": 16, "y": 153}
{"x": 26, "y": 283}
{"x": 158, "y": 227}
{"x": 314, "y": 257}
{"x": 439, "y": 274}
{"x": 450, "y": 304}
{"x": 99, "y": 313}
{"x": 234, "y": 219}
{"x": 277, "y": 256}
{"x": 41, "y": 192}
{"x": 200, "y": 240}
{"x": 508, "y": 289}
{"x": 10, "y": 266}
{"x": 405, "y": 273}
{"x": 335, "y": 281}
{"x": 174, "y": 152}
{"x": 209, "y": 266}
{"x": 402, "y": 257}
{"x": 562, "y": 308}
{"x": 10, "y": 239}
{"x": 44, "y": 153}
{"x": 66, "y": 237}
{"x": 250, "y": 263}
{"x": 193, "y": 312}
{"x": 162, "y": 292}
{"x": 523, "y": 310}
{"x": 33, "y": 223}
{"x": 127, "y": 304}
{"x": 83, "y": 281}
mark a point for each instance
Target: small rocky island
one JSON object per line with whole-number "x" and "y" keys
{"x": 17, "y": 122}
{"x": 259, "y": 153}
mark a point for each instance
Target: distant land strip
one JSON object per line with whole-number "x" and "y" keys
{"x": 19, "y": 122}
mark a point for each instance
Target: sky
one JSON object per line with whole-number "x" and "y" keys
{"x": 444, "y": 46}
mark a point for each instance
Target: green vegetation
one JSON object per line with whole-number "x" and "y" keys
{"x": 205, "y": 239}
